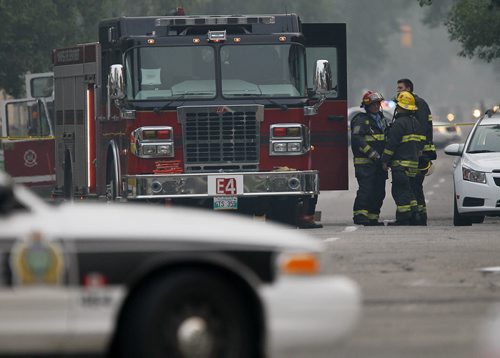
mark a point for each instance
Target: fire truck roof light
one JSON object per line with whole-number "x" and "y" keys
{"x": 213, "y": 20}
{"x": 216, "y": 36}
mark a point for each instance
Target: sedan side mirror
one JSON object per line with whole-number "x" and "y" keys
{"x": 454, "y": 149}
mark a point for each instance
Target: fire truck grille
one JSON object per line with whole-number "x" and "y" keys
{"x": 218, "y": 139}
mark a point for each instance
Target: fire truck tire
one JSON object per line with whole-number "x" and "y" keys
{"x": 189, "y": 313}
{"x": 285, "y": 210}
{"x": 111, "y": 183}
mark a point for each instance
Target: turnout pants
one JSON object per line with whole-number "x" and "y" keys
{"x": 417, "y": 185}
{"x": 402, "y": 192}
{"x": 371, "y": 192}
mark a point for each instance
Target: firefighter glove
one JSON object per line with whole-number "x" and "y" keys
{"x": 374, "y": 155}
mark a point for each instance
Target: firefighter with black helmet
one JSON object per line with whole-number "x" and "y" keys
{"x": 367, "y": 143}
{"x": 424, "y": 116}
{"x": 402, "y": 151}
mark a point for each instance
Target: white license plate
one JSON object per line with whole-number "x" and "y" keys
{"x": 225, "y": 203}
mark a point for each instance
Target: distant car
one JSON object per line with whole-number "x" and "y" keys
{"x": 144, "y": 281}
{"x": 476, "y": 172}
{"x": 445, "y": 133}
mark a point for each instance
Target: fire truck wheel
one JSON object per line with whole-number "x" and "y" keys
{"x": 111, "y": 185}
{"x": 285, "y": 210}
{"x": 186, "y": 314}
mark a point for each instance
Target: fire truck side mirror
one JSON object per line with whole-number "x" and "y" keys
{"x": 322, "y": 77}
{"x": 322, "y": 82}
{"x": 116, "y": 84}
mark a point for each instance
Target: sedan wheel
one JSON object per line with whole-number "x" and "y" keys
{"x": 459, "y": 220}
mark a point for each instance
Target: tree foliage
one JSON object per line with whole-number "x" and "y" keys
{"x": 31, "y": 29}
{"x": 476, "y": 25}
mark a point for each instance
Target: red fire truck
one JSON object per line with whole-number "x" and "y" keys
{"x": 28, "y": 135}
{"x": 228, "y": 112}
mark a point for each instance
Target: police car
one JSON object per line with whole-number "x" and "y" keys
{"x": 142, "y": 281}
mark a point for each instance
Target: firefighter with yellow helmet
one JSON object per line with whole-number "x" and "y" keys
{"x": 402, "y": 151}
{"x": 367, "y": 142}
{"x": 425, "y": 166}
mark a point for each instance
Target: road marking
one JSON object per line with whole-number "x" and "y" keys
{"x": 433, "y": 284}
{"x": 430, "y": 192}
{"x": 331, "y": 239}
{"x": 350, "y": 229}
{"x": 442, "y": 180}
{"x": 435, "y": 186}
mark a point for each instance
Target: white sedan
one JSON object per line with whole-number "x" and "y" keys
{"x": 476, "y": 172}
{"x": 145, "y": 281}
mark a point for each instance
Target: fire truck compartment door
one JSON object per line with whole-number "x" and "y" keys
{"x": 329, "y": 126}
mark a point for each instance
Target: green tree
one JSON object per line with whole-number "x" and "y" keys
{"x": 476, "y": 25}
{"x": 31, "y": 29}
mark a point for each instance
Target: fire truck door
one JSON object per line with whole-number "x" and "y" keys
{"x": 28, "y": 142}
{"x": 329, "y": 126}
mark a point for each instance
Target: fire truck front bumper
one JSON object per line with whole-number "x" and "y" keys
{"x": 202, "y": 185}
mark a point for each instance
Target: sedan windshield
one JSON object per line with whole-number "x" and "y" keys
{"x": 170, "y": 72}
{"x": 485, "y": 139}
{"x": 263, "y": 70}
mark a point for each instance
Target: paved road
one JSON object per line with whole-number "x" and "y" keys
{"x": 423, "y": 293}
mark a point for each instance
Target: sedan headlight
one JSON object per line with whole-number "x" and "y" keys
{"x": 473, "y": 175}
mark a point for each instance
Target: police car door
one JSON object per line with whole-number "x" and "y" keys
{"x": 34, "y": 295}
{"x": 329, "y": 126}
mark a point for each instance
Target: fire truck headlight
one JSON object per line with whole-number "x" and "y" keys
{"x": 289, "y": 139}
{"x": 280, "y": 147}
{"x": 149, "y": 149}
{"x": 165, "y": 150}
{"x": 294, "y": 147}
{"x": 152, "y": 142}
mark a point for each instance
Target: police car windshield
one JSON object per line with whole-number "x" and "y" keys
{"x": 485, "y": 139}
{"x": 263, "y": 70}
{"x": 165, "y": 72}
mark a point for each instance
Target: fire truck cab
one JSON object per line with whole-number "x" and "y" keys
{"x": 228, "y": 112}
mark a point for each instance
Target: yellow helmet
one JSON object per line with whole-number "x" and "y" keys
{"x": 406, "y": 100}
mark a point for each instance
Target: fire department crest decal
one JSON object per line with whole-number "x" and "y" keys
{"x": 36, "y": 261}
{"x": 30, "y": 158}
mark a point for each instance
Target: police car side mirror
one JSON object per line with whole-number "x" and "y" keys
{"x": 454, "y": 149}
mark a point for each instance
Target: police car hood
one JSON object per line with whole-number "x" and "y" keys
{"x": 484, "y": 162}
{"x": 151, "y": 222}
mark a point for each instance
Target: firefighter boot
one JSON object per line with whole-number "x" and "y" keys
{"x": 307, "y": 222}
{"x": 361, "y": 220}
{"x": 375, "y": 222}
{"x": 415, "y": 218}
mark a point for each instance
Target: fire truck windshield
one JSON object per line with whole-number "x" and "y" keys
{"x": 263, "y": 70}
{"x": 189, "y": 72}
{"x": 166, "y": 72}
